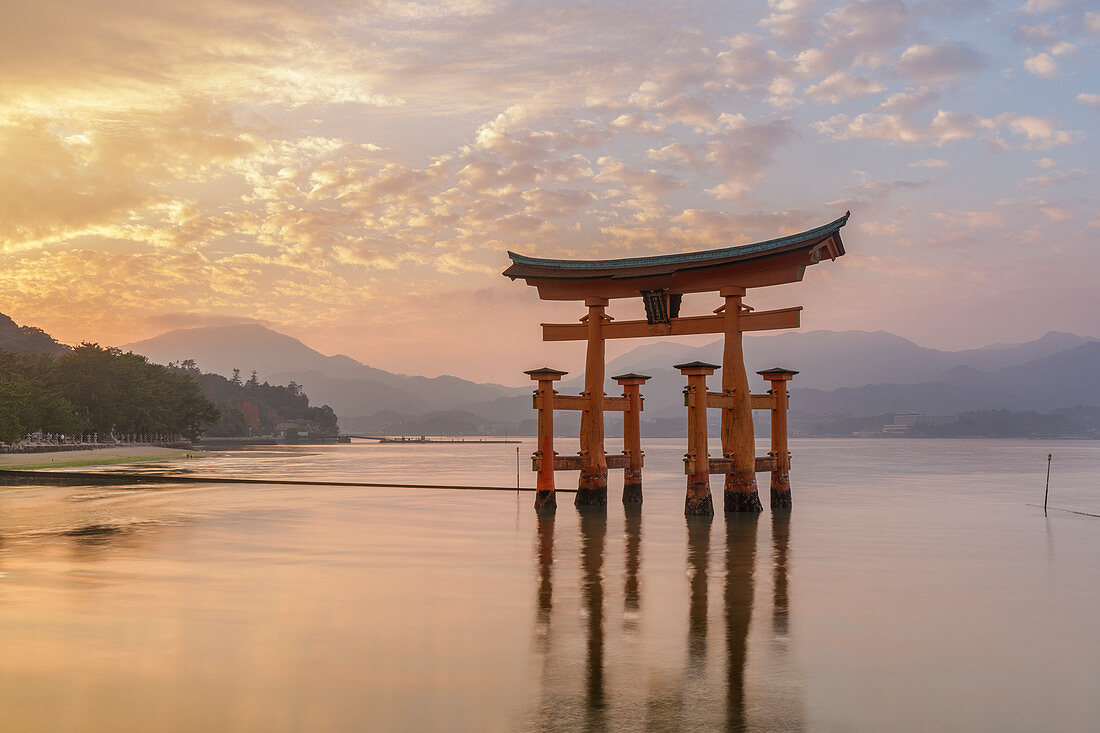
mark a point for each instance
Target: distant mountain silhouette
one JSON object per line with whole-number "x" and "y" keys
{"x": 857, "y": 372}
{"x": 27, "y": 339}
{"x": 835, "y": 359}
{"x": 351, "y": 388}
{"x": 1066, "y": 379}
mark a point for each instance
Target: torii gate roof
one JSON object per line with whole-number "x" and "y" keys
{"x": 772, "y": 262}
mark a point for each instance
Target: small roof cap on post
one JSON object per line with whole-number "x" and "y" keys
{"x": 546, "y": 373}
{"x": 777, "y": 373}
{"x": 632, "y": 377}
{"x": 696, "y": 367}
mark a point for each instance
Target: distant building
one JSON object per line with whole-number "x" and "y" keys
{"x": 300, "y": 428}
{"x": 903, "y": 423}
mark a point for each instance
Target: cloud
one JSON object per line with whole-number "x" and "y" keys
{"x": 185, "y": 319}
{"x": 1038, "y": 35}
{"x": 1088, "y": 100}
{"x": 841, "y": 85}
{"x": 1092, "y": 22}
{"x": 873, "y": 196}
{"x": 970, "y": 219}
{"x": 328, "y": 163}
{"x": 1041, "y": 64}
{"x": 1056, "y": 177}
{"x": 1039, "y": 7}
{"x": 1039, "y": 133}
{"x": 789, "y": 21}
{"x": 638, "y": 123}
{"x": 930, "y": 163}
{"x": 940, "y": 62}
{"x": 945, "y": 127}
{"x": 867, "y": 24}
{"x": 910, "y": 100}
{"x": 748, "y": 64}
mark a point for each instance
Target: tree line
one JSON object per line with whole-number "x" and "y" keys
{"x": 92, "y": 389}
{"x": 252, "y": 407}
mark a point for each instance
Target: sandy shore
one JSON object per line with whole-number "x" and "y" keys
{"x": 99, "y": 457}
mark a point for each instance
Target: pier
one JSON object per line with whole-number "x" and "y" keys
{"x": 423, "y": 439}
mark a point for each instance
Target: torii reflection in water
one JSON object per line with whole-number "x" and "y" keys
{"x": 688, "y": 698}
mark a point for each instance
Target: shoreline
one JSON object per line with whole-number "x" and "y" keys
{"x": 94, "y": 457}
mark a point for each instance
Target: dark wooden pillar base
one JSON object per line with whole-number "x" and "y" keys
{"x": 591, "y": 490}
{"x": 545, "y": 502}
{"x": 781, "y": 499}
{"x": 741, "y": 494}
{"x": 699, "y": 501}
{"x": 781, "y": 491}
{"x": 738, "y": 499}
{"x": 632, "y": 491}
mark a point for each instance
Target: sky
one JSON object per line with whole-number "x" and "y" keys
{"x": 353, "y": 173}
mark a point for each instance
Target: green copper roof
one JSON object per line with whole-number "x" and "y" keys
{"x": 522, "y": 263}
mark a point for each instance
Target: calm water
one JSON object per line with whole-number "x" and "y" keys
{"x": 912, "y": 588}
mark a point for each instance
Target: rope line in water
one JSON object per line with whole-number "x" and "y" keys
{"x": 146, "y": 478}
{"x": 1071, "y": 511}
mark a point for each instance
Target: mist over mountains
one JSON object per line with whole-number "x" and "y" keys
{"x": 842, "y": 372}
{"x": 354, "y": 390}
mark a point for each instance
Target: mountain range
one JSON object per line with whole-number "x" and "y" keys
{"x": 27, "y": 339}
{"x": 854, "y": 372}
{"x": 354, "y": 390}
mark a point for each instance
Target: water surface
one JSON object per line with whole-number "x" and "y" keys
{"x": 911, "y": 588}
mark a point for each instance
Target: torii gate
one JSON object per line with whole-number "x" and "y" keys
{"x": 661, "y": 282}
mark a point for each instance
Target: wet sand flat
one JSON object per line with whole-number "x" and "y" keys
{"x": 95, "y": 457}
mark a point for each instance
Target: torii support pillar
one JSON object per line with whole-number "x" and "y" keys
{"x": 545, "y": 500}
{"x": 738, "y": 441}
{"x": 781, "y": 479}
{"x": 697, "y": 460}
{"x": 632, "y": 436}
{"x": 592, "y": 485}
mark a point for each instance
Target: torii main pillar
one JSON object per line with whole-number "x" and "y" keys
{"x": 592, "y": 485}
{"x": 738, "y": 441}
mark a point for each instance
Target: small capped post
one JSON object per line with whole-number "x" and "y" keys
{"x": 632, "y": 436}
{"x": 697, "y": 459}
{"x": 777, "y": 378}
{"x": 543, "y": 458}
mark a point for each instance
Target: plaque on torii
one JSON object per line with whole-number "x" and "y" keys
{"x": 661, "y": 281}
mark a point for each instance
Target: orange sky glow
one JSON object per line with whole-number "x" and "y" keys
{"x": 352, "y": 174}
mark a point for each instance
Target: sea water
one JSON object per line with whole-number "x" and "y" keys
{"x": 914, "y": 586}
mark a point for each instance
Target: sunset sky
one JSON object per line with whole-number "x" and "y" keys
{"x": 352, "y": 174}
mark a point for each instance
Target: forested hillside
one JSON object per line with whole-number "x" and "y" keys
{"x": 253, "y": 407}
{"x": 91, "y": 389}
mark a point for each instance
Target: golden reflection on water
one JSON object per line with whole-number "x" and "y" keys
{"x": 677, "y": 701}
{"x": 267, "y": 608}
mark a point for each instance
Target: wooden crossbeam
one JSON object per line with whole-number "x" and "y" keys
{"x": 759, "y": 401}
{"x": 580, "y": 402}
{"x": 763, "y": 402}
{"x": 688, "y": 326}
{"x": 725, "y": 465}
{"x": 573, "y": 463}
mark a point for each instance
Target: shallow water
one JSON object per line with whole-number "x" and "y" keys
{"x": 911, "y": 588}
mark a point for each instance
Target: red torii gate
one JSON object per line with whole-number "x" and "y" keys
{"x": 661, "y": 282}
